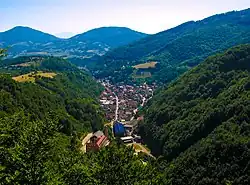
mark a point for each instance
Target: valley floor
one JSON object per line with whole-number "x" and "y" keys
{"x": 121, "y": 103}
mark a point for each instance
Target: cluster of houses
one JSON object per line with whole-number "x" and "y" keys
{"x": 120, "y": 102}
{"x": 130, "y": 98}
{"x": 125, "y": 132}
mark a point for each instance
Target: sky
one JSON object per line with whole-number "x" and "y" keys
{"x": 66, "y": 17}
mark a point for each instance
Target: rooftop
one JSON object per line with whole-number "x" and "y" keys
{"x": 126, "y": 138}
{"x": 98, "y": 134}
{"x": 100, "y": 140}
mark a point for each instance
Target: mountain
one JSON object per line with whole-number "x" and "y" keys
{"x": 112, "y": 36}
{"x": 200, "y": 123}
{"x": 180, "y": 48}
{"x": 25, "y": 34}
{"x": 27, "y": 41}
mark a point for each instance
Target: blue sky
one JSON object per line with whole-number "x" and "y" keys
{"x": 77, "y": 16}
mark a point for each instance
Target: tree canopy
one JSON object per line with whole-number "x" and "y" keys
{"x": 2, "y": 53}
{"x": 200, "y": 123}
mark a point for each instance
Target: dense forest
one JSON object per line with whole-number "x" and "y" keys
{"x": 72, "y": 94}
{"x": 36, "y": 152}
{"x": 178, "y": 49}
{"x": 200, "y": 124}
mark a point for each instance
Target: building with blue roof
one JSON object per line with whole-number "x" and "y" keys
{"x": 118, "y": 129}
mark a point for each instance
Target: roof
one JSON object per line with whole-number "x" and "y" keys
{"x": 100, "y": 140}
{"x": 98, "y": 134}
{"x": 118, "y": 129}
{"x": 127, "y": 138}
{"x": 128, "y": 126}
{"x": 140, "y": 118}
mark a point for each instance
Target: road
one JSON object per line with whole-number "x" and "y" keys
{"x": 117, "y": 107}
{"x": 143, "y": 101}
{"x": 136, "y": 110}
{"x": 85, "y": 140}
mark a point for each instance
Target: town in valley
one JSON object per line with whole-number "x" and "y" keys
{"x": 121, "y": 103}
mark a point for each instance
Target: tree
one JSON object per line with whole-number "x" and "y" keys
{"x": 2, "y": 52}
{"x": 25, "y": 149}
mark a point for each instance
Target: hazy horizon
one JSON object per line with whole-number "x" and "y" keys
{"x": 67, "y": 18}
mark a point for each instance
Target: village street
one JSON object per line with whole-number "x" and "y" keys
{"x": 117, "y": 107}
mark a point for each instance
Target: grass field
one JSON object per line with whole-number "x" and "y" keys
{"x": 145, "y": 65}
{"x": 35, "y": 61}
{"x": 137, "y": 147}
{"x": 27, "y": 64}
{"x": 31, "y": 77}
{"x": 140, "y": 148}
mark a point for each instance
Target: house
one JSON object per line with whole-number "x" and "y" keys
{"x": 141, "y": 118}
{"x": 118, "y": 129}
{"x": 128, "y": 139}
{"x": 97, "y": 141}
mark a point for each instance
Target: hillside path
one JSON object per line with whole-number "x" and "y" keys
{"x": 85, "y": 140}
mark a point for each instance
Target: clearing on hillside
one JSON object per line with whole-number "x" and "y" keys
{"x": 142, "y": 75}
{"x": 31, "y": 77}
{"x": 26, "y": 64}
{"x": 145, "y": 65}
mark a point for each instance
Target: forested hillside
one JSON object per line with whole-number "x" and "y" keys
{"x": 111, "y": 36}
{"x": 71, "y": 94}
{"x": 200, "y": 123}
{"x": 42, "y": 118}
{"x": 178, "y": 49}
{"x": 36, "y": 152}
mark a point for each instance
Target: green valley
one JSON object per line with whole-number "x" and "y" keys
{"x": 44, "y": 111}
{"x": 114, "y": 106}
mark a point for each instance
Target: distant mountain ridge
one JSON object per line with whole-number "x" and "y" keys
{"x": 25, "y": 34}
{"x": 113, "y": 36}
{"x": 28, "y": 41}
{"x": 180, "y": 48}
{"x": 155, "y": 44}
